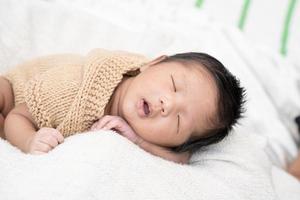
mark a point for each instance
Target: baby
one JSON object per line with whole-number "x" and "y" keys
{"x": 170, "y": 106}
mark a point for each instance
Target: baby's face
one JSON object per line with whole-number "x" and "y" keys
{"x": 167, "y": 103}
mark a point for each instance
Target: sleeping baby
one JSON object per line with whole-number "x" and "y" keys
{"x": 170, "y": 106}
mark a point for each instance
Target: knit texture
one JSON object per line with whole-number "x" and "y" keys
{"x": 69, "y": 92}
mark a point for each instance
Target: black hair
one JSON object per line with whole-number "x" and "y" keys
{"x": 230, "y": 100}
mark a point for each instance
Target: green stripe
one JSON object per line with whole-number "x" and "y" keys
{"x": 199, "y": 3}
{"x": 244, "y": 13}
{"x": 287, "y": 22}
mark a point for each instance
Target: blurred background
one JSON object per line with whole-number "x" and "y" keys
{"x": 72, "y": 24}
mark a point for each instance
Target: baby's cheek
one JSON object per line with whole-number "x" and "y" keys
{"x": 166, "y": 138}
{"x": 157, "y": 131}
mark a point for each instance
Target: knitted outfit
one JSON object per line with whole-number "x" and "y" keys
{"x": 69, "y": 92}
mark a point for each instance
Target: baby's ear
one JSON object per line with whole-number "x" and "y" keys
{"x": 154, "y": 62}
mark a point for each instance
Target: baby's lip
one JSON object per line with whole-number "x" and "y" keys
{"x": 143, "y": 108}
{"x": 146, "y": 107}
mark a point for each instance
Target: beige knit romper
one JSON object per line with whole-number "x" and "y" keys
{"x": 69, "y": 92}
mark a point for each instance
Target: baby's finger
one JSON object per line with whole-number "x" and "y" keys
{"x": 93, "y": 126}
{"x": 52, "y": 141}
{"x": 112, "y": 124}
{"x": 42, "y": 146}
{"x": 59, "y": 137}
{"x": 103, "y": 121}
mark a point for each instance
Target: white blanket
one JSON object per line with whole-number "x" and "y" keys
{"x": 104, "y": 165}
{"x": 107, "y": 166}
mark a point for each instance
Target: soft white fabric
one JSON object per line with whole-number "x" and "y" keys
{"x": 104, "y": 165}
{"x": 286, "y": 187}
{"x": 227, "y": 171}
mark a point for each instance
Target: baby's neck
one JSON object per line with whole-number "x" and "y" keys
{"x": 113, "y": 106}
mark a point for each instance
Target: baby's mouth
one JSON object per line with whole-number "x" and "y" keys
{"x": 143, "y": 108}
{"x": 146, "y": 107}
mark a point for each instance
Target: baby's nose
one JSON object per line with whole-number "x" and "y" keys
{"x": 167, "y": 105}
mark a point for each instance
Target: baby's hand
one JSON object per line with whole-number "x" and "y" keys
{"x": 114, "y": 122}
{"x": 119, "y": 124}
{"x": 44, "y": 140}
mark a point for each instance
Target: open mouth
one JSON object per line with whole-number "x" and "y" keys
{"x": 146, "y": 107}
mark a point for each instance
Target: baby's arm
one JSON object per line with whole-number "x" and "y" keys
{"x": 21, "y": 131}
{"x": 19, "y": 127}
{"x": 114, "y": 122}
